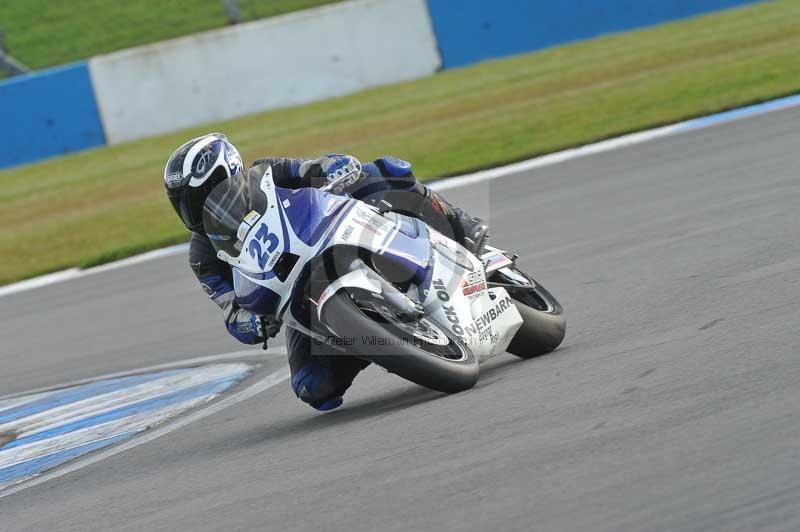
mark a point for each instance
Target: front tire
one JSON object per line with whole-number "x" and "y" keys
{"x": 442, "y": 363}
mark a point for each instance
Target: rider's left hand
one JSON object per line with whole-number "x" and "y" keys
{"x": 344, "y": 169}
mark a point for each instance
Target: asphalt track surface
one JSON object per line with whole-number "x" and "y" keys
{"x": 672, "y": 405}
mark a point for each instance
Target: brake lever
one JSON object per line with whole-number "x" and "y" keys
{"x": 271, "y": 330}
{"x": 337, "y": 183}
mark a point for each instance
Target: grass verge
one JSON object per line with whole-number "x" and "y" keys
{"x": 44, "y": 33}
{"x": 109, "y": 202}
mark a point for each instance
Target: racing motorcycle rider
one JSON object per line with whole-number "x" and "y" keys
{"x": 320, "y": 374}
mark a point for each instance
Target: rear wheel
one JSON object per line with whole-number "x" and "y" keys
{"x": 420, "y": 351}
{"x": 543, "y": 323}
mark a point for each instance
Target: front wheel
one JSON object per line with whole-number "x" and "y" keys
{"x": 419, "y": 351}
{"x": 543, "y": 323}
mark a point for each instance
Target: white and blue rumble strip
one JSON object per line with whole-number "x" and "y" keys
{"x": 44, "y": 430}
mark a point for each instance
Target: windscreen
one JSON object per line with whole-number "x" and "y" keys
{"x": 237, "y": 202}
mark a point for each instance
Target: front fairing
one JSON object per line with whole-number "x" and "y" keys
{"x": 267, "y": 234}
{"x": 306, "y": 218}
{"x": 459, "y": 298}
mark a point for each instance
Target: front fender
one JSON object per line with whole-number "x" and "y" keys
{"x": 358, "y": 278}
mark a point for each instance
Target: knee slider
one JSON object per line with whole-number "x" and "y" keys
{"x": 312, "y": 385}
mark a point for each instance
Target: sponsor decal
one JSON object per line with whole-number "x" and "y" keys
{"x": 473, "y": 283}
{"x": 233, "y": 158}
{"x": 174, "y": 179}
{"x": 495, "y": 261}
{"x": 244, "y": 228}
{"x": 348, "y": 232}
{"x": 252, "y": 217}
{"x": 244, "y": 327}
{"x": 473, "y": 289}
{"x": 374, "y": 219}
{"x": 449, "y": 310}
{"x": 368, "y": 225}
{"x": 273, "y": 259}
{"x": 484, "y": 322}
{"x": 490, "y": 335}
{"x": 286, "y": 204}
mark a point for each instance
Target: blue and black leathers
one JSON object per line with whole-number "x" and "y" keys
{"x": 321, "y": 375}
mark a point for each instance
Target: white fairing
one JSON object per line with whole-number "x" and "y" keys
{"x": 486, "y": 319}
{"x": 457, "y": 297}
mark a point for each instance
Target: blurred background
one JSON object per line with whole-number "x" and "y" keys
{"x": 97, "y": 93}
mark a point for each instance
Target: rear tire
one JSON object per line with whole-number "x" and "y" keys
{"x": 543, "y": 323}
{"x": 449, "y": 367}
{"x": 540, "y": 333}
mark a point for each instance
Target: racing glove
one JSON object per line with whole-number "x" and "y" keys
{"x": 343, "y": 171}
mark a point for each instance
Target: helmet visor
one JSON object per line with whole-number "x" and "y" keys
{"x": 231, "y": 209}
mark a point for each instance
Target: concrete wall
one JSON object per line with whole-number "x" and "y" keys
{"x": 469, "y": 31}
{"x": 48, "y": 113}
{"x": 268, "y": 64}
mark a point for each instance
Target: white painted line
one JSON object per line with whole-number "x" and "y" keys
{"x": 138, "y": 259}
{"x": 555, "y": 158}
{"x": 77, "y": 273}
{"x": 38, "y": 282}
{"x": 619, "y": 142}
{"x": 465, "y": 180}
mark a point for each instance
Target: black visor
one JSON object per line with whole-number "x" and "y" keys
{"x": 231, "y": 208}
{"x": 188, "y": 201}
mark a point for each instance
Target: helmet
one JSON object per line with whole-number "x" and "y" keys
{"x": 194, "y": 170}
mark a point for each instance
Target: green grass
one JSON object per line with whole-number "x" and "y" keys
{"x": 43, "y": 33}
{"x": 109, "y": 202}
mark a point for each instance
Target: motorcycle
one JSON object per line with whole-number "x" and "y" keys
{"x": 376, "y": 284}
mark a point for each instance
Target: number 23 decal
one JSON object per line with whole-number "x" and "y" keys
{"x": 254, "y": 248}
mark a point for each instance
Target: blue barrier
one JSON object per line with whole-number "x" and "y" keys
{"x": 48, "y": 113}
{"x": 469, "y": 31}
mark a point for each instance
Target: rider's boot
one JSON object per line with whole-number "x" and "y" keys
{"x": 474, "y": 231}
{"x": 320, "y": 375}
{"x": 469, "y": 231}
